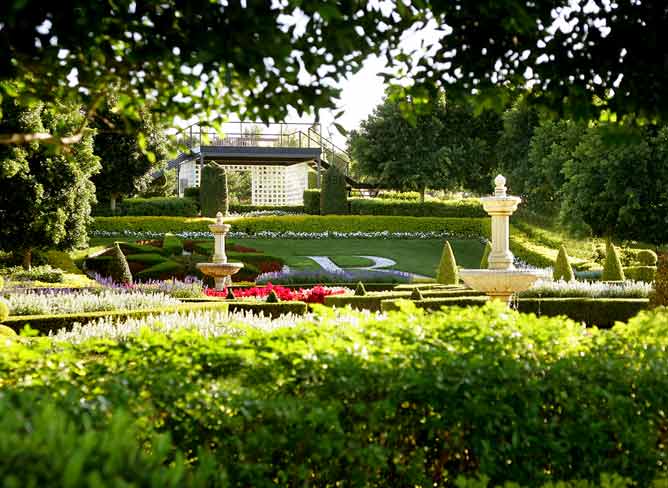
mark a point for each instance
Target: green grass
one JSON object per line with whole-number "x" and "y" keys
{"x": 351, "y": 261}
{"x": 419, "y": 256}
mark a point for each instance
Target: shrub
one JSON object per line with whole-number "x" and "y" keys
{"x": 646, "y": 257}
{"x": 119, "y": 269}
{"x": 2, "y": 282}
{"x": 162, "y": 271}
{"x": 273, "y": 297}
{"x": 360, "y": 291}
{"x": 6, "y": 331}
{"x": 601, "y": 312}
{"x": 660, "y": 296}
{"x": 640, "y": 273}
{"x": 192, "y": 192}
{"x": 312, "y": 201}
{"x": 167, "y": 206}
{"x": 172, "y": 245}
{"x": 333, "y": 195}
{"x": 4, "y": 311}
{"x": 484, "y": 262}
{"x": 150, "y": 258}
{"x": 44, "y": 273}
{"x": 416, "y": 294}
{"x": 466, "y": 208}
{"x": 562, "y": 268}
{"x": 447, "y": 272}
{"x": 612, "y": 268}
{"x": 230, "y": 294}
{"x": 213, "y": 196}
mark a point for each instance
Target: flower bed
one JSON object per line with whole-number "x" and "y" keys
{"x": 586, "y": 289}
{"x": 316, "y": 294}
{"x": 48, "y": 303}
{"x": 288, "y": 277}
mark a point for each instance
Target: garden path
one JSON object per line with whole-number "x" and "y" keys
{"x": 378, "y": 263}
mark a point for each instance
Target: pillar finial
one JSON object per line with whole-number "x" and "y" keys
{"x": 219, "y": 218}
{"x": 500, "y": 186}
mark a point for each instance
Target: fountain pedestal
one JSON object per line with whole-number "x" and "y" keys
{"x": 501, "y": 280}
{"x": 219, "y": 269}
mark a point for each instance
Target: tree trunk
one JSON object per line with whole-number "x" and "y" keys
{"x": 27, "y": 259}
{"x": 422, "y": 190}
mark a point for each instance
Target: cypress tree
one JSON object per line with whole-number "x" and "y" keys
{"x": 272, "y": 297}
{"x": 230, "y": 294}
{"x": 484, "y": 262}
{"x": 334, "y": 195}
{"x": 417, "y": 294}
{"x": 612, "y": 268}
{"x": 562, "y": 267}
{"x": 447, "y": 269}
{"x": 213, "y": 196}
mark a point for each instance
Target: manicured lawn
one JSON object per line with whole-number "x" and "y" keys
{"x": 414, "y": 255}
{"x": 419, "y": 256}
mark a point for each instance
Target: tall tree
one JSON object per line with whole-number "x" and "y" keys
{"x": 400, "y": 155}
{"x": 447, "y": 148}
{"x": 47, "y": 193}
{"x": 127, "y": 158}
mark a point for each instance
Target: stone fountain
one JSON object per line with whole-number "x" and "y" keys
{"x": 501, "y": 280}
{"x": 220, "y": 269}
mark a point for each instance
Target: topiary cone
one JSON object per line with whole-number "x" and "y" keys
{"x": 447, "y": 269}
{"x": 562, "y": 267}
{"x": 612, "y": 268}
{"x": 417, "y": 294}
{"x": 272, "y": 297}
{"x": 119, "y": 268}
{"x": 230, "y": 294}
{"x": 333, "y": 195}
{"x": 360, "y": 290}
{"x": 213, "y": 191}
{"x": 484, "y": 262}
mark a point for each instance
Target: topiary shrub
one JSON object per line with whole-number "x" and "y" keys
{"x": 4, "y": 311}
{"x": 659, "y": 298}
{"x": 484, "y": 262}
{"x": 230, "y": 294}
{"x": 447, "y": 272}
{"x": 119, "y": 269}
{"x": 562, "y": 268}
{"x": 273, "y": 297}
{"x": 213, "y": 191}
{"x": 612, "y": 268}
{"x": 360, "y": 291}
{"x": 640, "y": 273}
{"x": 6, "y": 331}
{"x": 333, "y": 195}
{"x": 646, "y": 257}
{"x": 417, "y": 294}
{"x": 312, "y": 201}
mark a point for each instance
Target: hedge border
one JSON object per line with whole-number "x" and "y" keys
{"x": 46, "y": 323}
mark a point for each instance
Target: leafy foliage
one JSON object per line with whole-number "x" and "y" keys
{"x": 333, "y": 194}
{"x": 360, "y": 290}
{"x": 646, "y": 257}
{"x": 127, "y": 158}
{"x": 562, "y": 267}
{"x": 4, "y": 311}
{"x": 213, "y": 195}
{"x": 312, "y": 201}
{"x": 47, "y": 193}
{"x": 660, "y": 295}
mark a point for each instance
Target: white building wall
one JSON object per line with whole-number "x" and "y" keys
{"x": 296, "y": 181}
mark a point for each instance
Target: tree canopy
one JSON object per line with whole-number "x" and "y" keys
{"x": 448, "y": 148}
{"x": 257, "y": 58}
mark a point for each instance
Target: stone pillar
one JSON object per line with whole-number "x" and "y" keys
{"x": 219, "y": 229}
{"x": 501, "y": 206}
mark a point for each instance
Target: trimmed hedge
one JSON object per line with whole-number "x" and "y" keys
{"x": 601, "y": 312}
{"x": 373, "y": 301}
{"x": 465, "y": 208}
{"x": 45, "y": 323}
{"x": 143, "y": 258}
{"x": 333, "y": 192}
{"x": 161, "y": 271}
{"x": 298, "y": 223}
{"x": 640, "y": 273}
{"x": 312, "y": 201}
{"x": 173, "y": 206}
{"x": 273, "y": 310}
{"x": 213, "y": 197}
{"x": 172, "y": 245}
{"x": 243, "y": 208}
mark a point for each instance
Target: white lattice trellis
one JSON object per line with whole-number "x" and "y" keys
{"x": 273, "y": 185}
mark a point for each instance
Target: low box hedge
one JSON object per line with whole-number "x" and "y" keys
{"x": 373, "y": 301}
{"x": 159, "y": 206}
{"x": 45, "y": 323}
{"x": 312, "y": 201}
{"x": 272, "y": 310}
{"x": 640, "y": 273}
{"x": 161, "y": 271}
{"x": 465, "y": 208}
{"x": 601, "y": 312}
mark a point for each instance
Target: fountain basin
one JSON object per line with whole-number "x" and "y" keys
{"x": 219, "y": 271}
{"x": 500, "y": 284}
